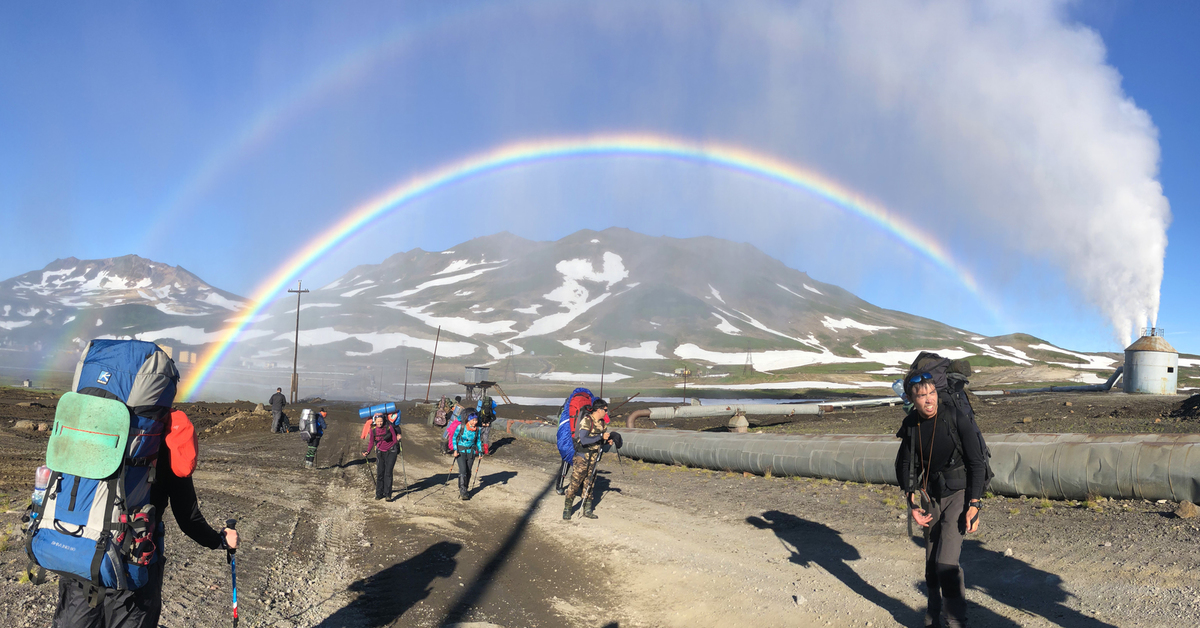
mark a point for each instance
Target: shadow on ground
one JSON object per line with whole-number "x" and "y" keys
{"x": 385, "y": 596}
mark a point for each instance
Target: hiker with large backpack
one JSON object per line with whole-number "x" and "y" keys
{"x": 568, "y": 416}
{"x": 942, "y": 467}
{"x": 486, "y": 409}
{"x": 591, "y": 435}
{"x": 384, "y": 438}
{"x": 466, "y": 445}
{"x": 118, "y": 456}
{"x": 312, "y": 430}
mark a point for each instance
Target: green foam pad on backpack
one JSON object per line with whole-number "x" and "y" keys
{"x": 89, "y": 436}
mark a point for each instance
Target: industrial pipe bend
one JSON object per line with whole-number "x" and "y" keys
{"x": 644, "y": 413}
{"x": 1059, "y": 466}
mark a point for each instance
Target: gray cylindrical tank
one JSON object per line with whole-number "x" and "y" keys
{"x": 1151, "y": 366}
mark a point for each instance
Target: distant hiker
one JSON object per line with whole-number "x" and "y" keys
{"x": 314, "y": 438}
{"x": 447, "y": 444}
{"x": 568, "y": 417}
{"x": 442, "y": 412}
{"x": 486, "y": 408}
{"x": 384, "y": 439}
{"x": 942, "y": 473}
{"x": 278, "y": 401}
{"x": 591, "y": 434}
{"x": 466, "y": 445}
{"x": 457, "y": 413}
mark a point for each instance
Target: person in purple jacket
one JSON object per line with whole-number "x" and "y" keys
{"x": 384, "y": 438}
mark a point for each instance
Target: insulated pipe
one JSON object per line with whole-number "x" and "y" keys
{"x": 1105, "y": 387}
{"x": 636, "y": 414}
{"x": 698, "y": 412}
{"x": 1058, "y": 466}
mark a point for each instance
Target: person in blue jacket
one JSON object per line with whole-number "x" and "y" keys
{"x": 314, "y": 441}
{"x": 467, "y": 445}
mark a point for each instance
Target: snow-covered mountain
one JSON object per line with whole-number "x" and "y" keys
{"x": 656, "y": 301}
{"x": 72, "y": 300}
{"x": 544, "y": 309}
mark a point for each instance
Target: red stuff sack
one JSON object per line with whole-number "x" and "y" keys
{"x": 183, "y": 444}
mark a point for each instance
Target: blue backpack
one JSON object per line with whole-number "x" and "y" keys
{"x": 566, "y": 423}
{"x": 95, "y": 524}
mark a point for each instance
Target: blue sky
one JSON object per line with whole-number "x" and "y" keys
{"x": 1029, "y": 139}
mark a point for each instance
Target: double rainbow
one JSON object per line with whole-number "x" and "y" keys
{"x": 725, "y": 156}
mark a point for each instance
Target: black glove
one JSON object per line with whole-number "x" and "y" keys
{"x": 616, "y": 440}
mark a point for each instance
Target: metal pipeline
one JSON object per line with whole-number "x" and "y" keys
{"x": 1105, "y": 387}
{"x": 699, "y": 412}
{"x": 1058, "y": 466}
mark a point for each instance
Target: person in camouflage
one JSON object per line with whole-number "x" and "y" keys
{"x": 591, "y": 434}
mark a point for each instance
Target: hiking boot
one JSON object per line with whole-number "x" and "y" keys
{"x": 567, "y": 509}
{"x": 463, "y": 495}
{"x": 587, "y": 510}
{"x": 308, "y": 464}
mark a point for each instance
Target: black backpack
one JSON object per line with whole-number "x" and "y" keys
{"x": 950, "y": 377}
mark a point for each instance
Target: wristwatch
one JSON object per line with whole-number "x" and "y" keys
{"x": 977, "y": 503}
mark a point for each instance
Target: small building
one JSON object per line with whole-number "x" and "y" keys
{"x": 1151, "y": 365}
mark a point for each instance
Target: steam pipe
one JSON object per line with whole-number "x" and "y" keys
{"x": 1105, "y": 387}
{"x": 644, "y": 413}
{"x": 698, "y": 412}
{"x": 1058, "y": 466}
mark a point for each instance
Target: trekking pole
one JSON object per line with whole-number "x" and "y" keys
{"x": 478, "y": 466}
{"x": 449, "y": 473}
{"x": 402, "y": 469}
{"x": 232, "y": 560}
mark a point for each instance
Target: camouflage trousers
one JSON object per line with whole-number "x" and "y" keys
{"x": 581, "y": 474}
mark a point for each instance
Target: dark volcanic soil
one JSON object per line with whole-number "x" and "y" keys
{"x": 673, "y": 546}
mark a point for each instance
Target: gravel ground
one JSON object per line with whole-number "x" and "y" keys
{"x": 673, "y": 546}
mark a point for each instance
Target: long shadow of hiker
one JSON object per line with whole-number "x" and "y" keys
{"x": 1020, "y": 585}
{"x": 812, "y": 542}
{"x": 433, "y": 481}
{"x": 602, "y": 486}
{"x": 501, "y": 443}
{"x": 500, "y": 477}
{"x": 388, "y": 594}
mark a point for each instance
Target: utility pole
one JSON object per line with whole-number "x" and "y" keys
{"x": 603, "y": 360}
{"x": 405, "y": 397}
{"x": 296, "y": 354}
{"x": 435, "y": 344}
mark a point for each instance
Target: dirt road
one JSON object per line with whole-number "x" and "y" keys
{"x": 672, "y": 547}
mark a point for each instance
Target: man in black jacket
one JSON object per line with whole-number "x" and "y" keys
{"x": 943, "y": 486}
{"x": 278, "y": 401}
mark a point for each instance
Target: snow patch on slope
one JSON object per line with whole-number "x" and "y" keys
{"x": 572, "y": 296}
{"x": 380, "y": 342}
{"x": 726, "y": 327}
{"x": 1093, "y": 361}
{"x": 850, "y": 323}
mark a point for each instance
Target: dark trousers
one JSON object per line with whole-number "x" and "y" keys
{"x": 465, "y": 461}
{"x": 313, "y": 443}
{"x": 119, "y": 609}
{"x": 276, "y": 420}
{"x": 943, "y": 575}
{"x": 582, "y": 474}
{"x": 385, "y": 461}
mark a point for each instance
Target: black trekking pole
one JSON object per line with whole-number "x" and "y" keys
{"x": 478, "y": 466}
{"x": 232, "y": 560}
{"x": 403, "y": 471}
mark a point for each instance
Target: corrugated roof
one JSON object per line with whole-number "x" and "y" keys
{"x": 1151, "y": 343}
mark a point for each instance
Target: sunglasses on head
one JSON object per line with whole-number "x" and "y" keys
{"x": 918, "y": 378}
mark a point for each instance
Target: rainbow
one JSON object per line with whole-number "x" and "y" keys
{"x": 523, "y": 153}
